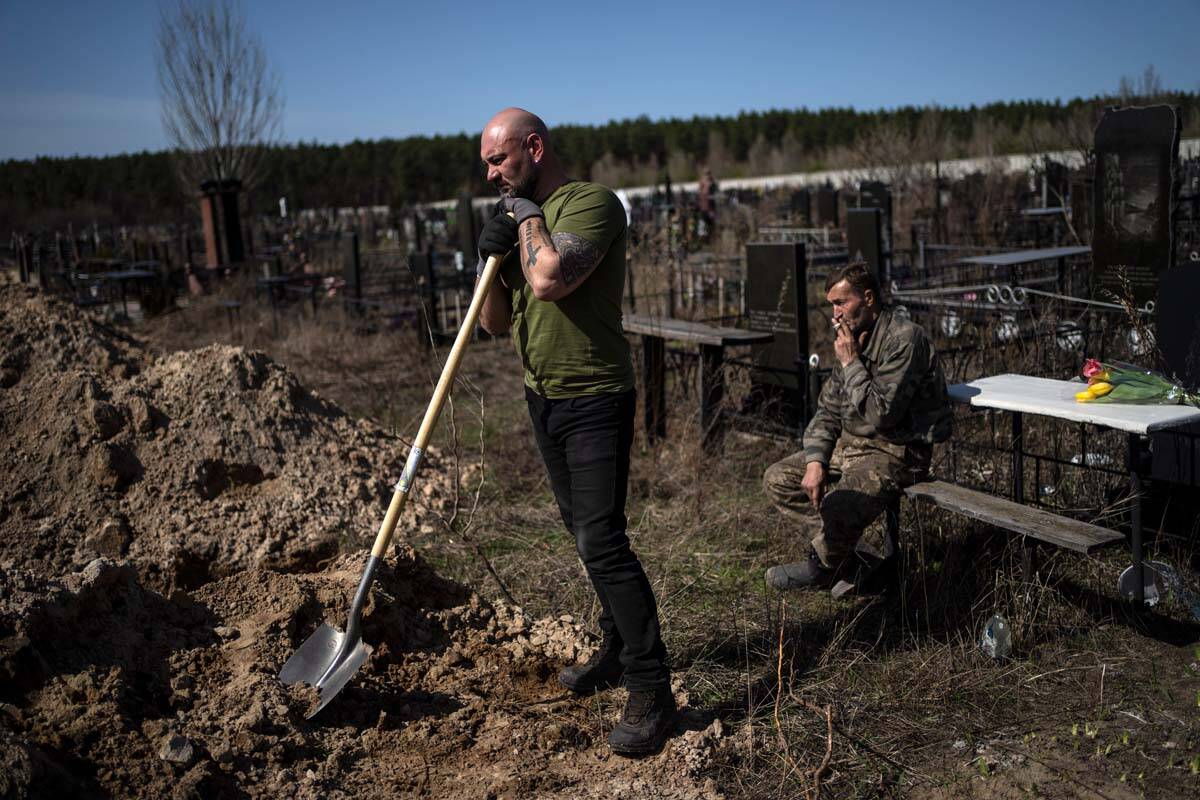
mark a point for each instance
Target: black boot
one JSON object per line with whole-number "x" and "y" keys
{"x": 809, "y": 574}
{"x": 603, "y": 670}
{"x": 648, "y": 718}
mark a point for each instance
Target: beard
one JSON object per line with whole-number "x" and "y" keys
{"x": 523, "y": 186}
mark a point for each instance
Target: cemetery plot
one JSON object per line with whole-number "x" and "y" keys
{"x": 208, "y": 506}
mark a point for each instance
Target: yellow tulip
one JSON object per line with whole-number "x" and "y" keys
{"x": 1084, "y": 396}
{"x": 1100, "y": 388}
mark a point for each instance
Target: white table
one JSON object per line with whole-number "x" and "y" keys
{"x": 1023, "y": 394}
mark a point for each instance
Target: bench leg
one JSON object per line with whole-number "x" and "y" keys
{"x": 1029, "y": 560}
{"x": 654, "y": 387}
{"x": 712, "y": 391}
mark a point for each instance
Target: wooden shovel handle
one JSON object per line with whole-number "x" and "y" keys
{"x": 449, "y": 370}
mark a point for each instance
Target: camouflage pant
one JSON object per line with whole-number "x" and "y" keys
{"x": 864, "y": 477}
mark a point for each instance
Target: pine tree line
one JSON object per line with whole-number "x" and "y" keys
{"x": 142, "y": 188}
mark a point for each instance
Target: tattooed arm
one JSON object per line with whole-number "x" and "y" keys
{"x": 555, "y": 264}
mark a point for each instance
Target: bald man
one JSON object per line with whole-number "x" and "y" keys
{"x": 559, "y": 294}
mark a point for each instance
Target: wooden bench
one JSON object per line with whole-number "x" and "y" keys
{"x": 712, "y": 339}
{"x": 1036, "y": 523}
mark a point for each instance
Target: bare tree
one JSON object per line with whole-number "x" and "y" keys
{"x": 1147, "y": 90}
{"x": 221, "y": 104}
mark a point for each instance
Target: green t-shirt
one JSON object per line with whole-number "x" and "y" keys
{"x": 575, "y": 346}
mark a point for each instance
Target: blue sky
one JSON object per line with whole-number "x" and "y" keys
{"x": 78, "y": 77}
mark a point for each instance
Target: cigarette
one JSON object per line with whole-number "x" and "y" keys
{"x": 836, "y": 324}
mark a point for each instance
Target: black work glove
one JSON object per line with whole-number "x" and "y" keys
{"x": 498, "y": 237}
{"x": 521, "y": 208}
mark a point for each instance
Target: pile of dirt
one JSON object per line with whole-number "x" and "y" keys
{"x": 108, "y": 688}
{"x": 172, "y": 529}
{"x": 193, "y": 466}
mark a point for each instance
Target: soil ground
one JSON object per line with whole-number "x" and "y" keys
{"x": 180, "y": 509}
{"x": 174, "y": 528}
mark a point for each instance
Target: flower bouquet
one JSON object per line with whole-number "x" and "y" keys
{"x": 1127, "y": 383}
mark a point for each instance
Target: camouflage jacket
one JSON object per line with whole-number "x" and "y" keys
{"x": 893, "y": 391}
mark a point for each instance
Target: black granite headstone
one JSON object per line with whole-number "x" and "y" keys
{"x": 864, "y": 239}
{"x": 802, "y": 206}
{"x": 776, "y": 301}
{"x": 1177, "y": 325}
{"x": 1176, "y": 452}
{"x": 232, "y": 244}
{"x": 827, "y": 206}
{"x": 874, "y": 194}
{"x": 1136, "y": 150}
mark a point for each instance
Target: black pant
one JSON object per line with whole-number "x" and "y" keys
{"x": 585, "y": 443}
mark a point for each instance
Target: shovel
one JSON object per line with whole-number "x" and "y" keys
{"x": 329, "y": 658}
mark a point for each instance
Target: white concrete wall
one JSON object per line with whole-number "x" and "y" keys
{"x": 841, "y": 178}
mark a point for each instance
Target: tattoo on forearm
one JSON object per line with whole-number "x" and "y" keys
{"x": 577, "y": 256}
{"x": 535, "y": 240}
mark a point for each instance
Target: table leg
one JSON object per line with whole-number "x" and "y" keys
{"x": 1135, "y": 518}
{"x": 1018, "y": 457}
{"x": 654, "y": 380}
{"x": 712, "y": 390}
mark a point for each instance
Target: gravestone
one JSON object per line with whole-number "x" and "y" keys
{"x": 827, "y": 206}
{"x": 1177, "y": 325}
{"x": 1176, "y": 452}
{"x": 1136, "y": 151}
{"x": 864, "y": 240}
{"x": 874, "y": 194}
{"x": 802, "y": 207}
{"x": 776, "y": 301}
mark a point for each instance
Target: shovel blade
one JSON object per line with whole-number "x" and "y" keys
{"x": 326, "y": 660}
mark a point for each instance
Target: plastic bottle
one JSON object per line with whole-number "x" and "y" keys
{"x": 996, "y": 640}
